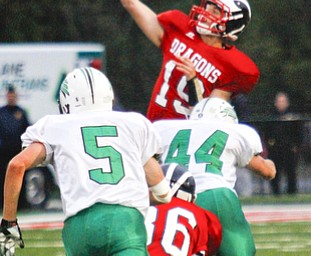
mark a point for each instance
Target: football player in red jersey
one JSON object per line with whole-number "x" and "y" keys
{"x": 181, "y": 227}
{"x": 202, "y": 37}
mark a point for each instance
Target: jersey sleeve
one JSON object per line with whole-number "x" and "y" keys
{"x": 247, "y": 81}
{"x": 172, "y": 18}
{"x": 35, "y": 133}
{"x": 243, "y": 71}
{"x": 250, "y": 145}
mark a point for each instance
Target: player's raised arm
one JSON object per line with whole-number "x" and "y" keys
{"x": 146, "y": 20}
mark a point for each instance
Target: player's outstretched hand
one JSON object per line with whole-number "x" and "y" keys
{"x": 10, "y": 236}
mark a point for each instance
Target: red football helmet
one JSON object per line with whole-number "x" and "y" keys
{"x": 230, "y": 20}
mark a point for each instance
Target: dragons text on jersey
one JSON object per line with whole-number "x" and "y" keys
{"x": 202, "y": 65}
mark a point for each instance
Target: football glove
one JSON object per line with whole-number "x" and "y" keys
{"x": 10, "y": 236}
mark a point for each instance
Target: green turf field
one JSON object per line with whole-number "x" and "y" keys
{"x": 41, "y": 243}
{"x": 272, "y": 239}
{"x": 278, "y": 239}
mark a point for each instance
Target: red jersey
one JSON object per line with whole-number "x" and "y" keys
{"x": 182, "y": 228}
{"x": 226, "y": 69}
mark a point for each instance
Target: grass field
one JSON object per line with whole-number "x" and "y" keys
{"x": 283, "y": 239}
{"x": 272, "y": 239}
{"x": 281, "y": 199}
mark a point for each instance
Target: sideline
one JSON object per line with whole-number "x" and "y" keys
{"x": 254, "y": 214}
{"x": 278, "y": 213}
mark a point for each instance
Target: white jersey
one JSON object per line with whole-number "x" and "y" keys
{"x": 211, "y": 149}
{"x": 98, "y": 156}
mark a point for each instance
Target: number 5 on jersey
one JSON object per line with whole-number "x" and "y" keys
{"x": 89, "y": 136}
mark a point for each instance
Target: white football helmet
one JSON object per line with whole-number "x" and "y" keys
{"x": 234, "y": 17}
{"x": 214, "y": 108}
{"x": 85, "y": 89}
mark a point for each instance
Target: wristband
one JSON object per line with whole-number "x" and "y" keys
{"x": 192, "y": 80}
{"x": 193, "y": 97}
{"x": 161, "y": 189}
{"x": 8, "y": 224}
